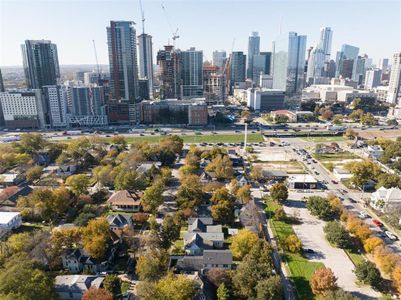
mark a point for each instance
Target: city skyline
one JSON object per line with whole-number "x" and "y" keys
{"x": 217, "y": 29}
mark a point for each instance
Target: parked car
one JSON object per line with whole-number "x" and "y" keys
{"x": 333, "y": 181}
{"x": 363, "y": 215}
{"x": 390, "y": 235}
{"x": 377, "y": 223}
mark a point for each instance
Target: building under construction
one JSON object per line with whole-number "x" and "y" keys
{"x": 213, "y": 84}
{"x": 170, "y": 64}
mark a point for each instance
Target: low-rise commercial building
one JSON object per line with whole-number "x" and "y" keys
{"x": 302, "y": 182}
{"x": 386, "y": 200}
{"x": 291, "y": 116}
{"x": 172, "y": 111}
{"x": 265, "y": 100}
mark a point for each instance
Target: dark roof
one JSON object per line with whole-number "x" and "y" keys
{"x": 274, "y": 173}
{"x": 119, "y": 220}
{"x": 222, "y": 257}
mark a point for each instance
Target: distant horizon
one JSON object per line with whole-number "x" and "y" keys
{"x": 205, "y": 24}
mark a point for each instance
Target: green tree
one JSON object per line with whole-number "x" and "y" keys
{"x": 388, "y": 181}
{"x": 369, "y": 119}
{"x": 21, "y": 279}
{"x": 152, "y": 197}
{"x": 337, "y": 119}
{"x": 256, "y": 266}
{"x": 257, "y": 172}
{"x": 279, "y": 192}
{"x": 221, "y": 194}
{"x": 152, "y": 265}
{"x": 244, "y": 193}
{"x": 367, "y": 273}
{"x": 104, "y": 175}
{"x": 242, "y": 243}
{"x": 281, "y": 119}
{"x": 356, "y": 115}
{"x": 78, "y": 183}
{"x": 270, "y": 288}
{"x": 339, "y": 294}
{"x": 95, "y": 237}
{"x": 350, "y": 133}
{"x": 190, "y": 192}
{"x": 112, "y": 283}
{"x": 336, "y": 234}
{"x": 392, "y": 122}
{"x": 222, "y": 292}
{"x": 223, "y": 212}
{"x": 169, "y": 232}
{"x": 222, "y": 166}
{"x": 34, "y": 173}
{"x": 131, "y": 181}
{"x": 362, "y": 172}
{"x": 320, "y": 207}
{"x": 31, "y": 143}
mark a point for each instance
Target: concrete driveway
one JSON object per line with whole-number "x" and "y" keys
{"x": 310, "y": 231}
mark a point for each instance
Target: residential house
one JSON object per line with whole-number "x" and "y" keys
{"x": 10, "y": 220}
{"x": 72, "y": 287}
{"x": 242, "y": 180}
{"x": 119, "y": 222}
{"x": 67, "y": 169}
{"x": 302, "y": 182}
{"x": 77, "y": 260}
{"x": 373, "y": 151}
{"x": 147, "y": 168}
{"x": 125, "y": 201}
{"x": 11, "y": 178}
{"x": 202, "y": 235}
{"x": 209, "y": 259}
{"x": 341, "y": 174}
{"x": 386, "y": 200}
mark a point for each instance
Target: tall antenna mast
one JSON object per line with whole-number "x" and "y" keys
{"x": 143, "y": 17}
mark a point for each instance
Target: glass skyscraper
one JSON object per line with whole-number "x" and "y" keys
{"x": 192, "y": 73}
{"x": 253, "y": 49}
{"x": 146, "y": 61}
{"x": 121, "y": 39}
{"x": 40, "y": 62}
{"x": 289, "y": 62}
{"x": 237, "y": 68}
{"x": 347, "y": 52}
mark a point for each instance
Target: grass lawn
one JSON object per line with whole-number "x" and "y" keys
{"x": 190, "y": 139}
{"x": 335, "y": 156}
{"x": 322, "y": 139}
{"x": 356, "y": 257}
{"x": 300, "y": 268}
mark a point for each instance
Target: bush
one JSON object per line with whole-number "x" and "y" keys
{"x": 279, "y": 214}
{"x": 372, "y": 243}
{"x": 279, "y": 192}
{"x": 366, "y": 272}
{"x": 336, "y": 234}
{"x": 293, "y": 244}
{"x": 320, "y": 207}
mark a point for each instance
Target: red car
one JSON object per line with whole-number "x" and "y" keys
{"x": 377, "y": 223}
{"x": 333, "y": 181}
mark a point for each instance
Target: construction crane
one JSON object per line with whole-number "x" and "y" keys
{"x": 97, "y": 62}
{"x": 143, "y": 17}
{"x": 174, "y": 33}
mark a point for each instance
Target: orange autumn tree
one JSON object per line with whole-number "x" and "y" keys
{"x": 372, "y": 243}
{"x": 323, "y": 281}
{"x": 97, "y": 294}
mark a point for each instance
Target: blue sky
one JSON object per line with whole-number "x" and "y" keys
{"x": 373, "y": 26}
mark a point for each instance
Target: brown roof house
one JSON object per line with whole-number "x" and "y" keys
{"x": 125, "y": 201}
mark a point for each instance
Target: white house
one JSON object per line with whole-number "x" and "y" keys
{"x": 385, "y": 200}
{"x": 374, "y": 151}
{"x": 10, "y": 220}
{"x": 341, "y": 174}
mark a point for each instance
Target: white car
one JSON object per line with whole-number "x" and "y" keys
{"x": 363, "y": 215}
{"x": 390, "y": 235}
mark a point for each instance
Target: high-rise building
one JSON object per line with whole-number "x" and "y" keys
{"x": 79, "y": 76}
{"x": 253, "y": 49}
{"x": 326, "y": 35}
{"x": 372, "y": 78}
{"x": 23, "y": 109}
{"x": 192, "y": 72}
{"x": 2, "y": 89}
{"x": 237, "y": 68}
{"x": 91, "y": 78}
{"x": 261, "y": 65}
{"x": 213, "y": 84}
{"x": 394, "y": 85}
{"x": 40, "y": 61}
{"x": 87, "y": 101}
{"x": 359, "y": 69}
{"x": 329, "y": 69}
{"x": 347, "y": 52}
{"x": 169, "y": 62}
{"x": 383, "y": 64}
{"x": 55, "y": 99}
{"x": 346, "y": 66}
{"x": 288, "y": 63}
{"x": 146, "y": 61}
{"x": 121, "y": 39}
{"x": 219, "y": 59}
